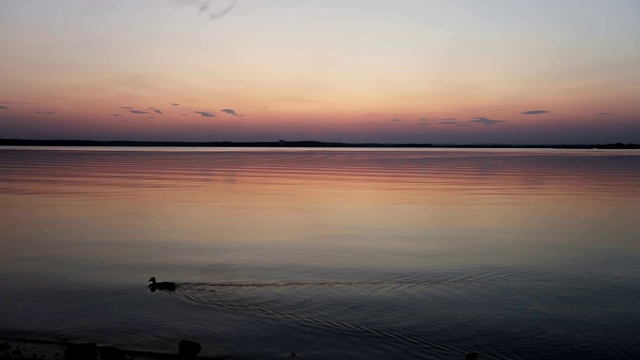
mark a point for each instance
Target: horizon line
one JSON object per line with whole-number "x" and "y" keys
{"x": 294, "y": 143}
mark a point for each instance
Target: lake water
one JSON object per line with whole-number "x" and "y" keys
{"x": 328, "y": 254}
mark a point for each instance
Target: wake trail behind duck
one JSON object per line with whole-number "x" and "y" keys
{"x": 404, "y": 338}
{"x": 388, "y": 284}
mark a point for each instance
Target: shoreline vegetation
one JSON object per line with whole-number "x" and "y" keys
{"x": 298, "y": 144}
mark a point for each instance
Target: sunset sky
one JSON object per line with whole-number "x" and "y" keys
{"x": 428, "y": 71}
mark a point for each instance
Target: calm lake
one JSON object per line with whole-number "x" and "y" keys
{"x": 328, "y": 254}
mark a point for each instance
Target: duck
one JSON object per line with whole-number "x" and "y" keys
{"x": 167, "y": 286}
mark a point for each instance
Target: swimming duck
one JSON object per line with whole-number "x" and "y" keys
{"x": 168, "y": 286}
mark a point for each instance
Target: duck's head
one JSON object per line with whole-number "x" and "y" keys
{"x": 153, "y": 279}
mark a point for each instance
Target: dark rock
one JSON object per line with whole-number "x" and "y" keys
{"x": 111, "y": 353}
{"x": 16, "y": 352}
{"x": 189, "y": 349}
{"x": 80, "y": 351}
{"x": 471, "y": 356}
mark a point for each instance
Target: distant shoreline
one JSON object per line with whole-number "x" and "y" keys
{"x": 297, "y": 144}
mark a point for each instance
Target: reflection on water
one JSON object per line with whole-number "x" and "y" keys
{"x": 325, "y": 253}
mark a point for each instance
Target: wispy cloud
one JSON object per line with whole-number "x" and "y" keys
{"x": 126, "y": 107}
{"x": 138, "y": 112}
{"x": 2, "y": 107}
{"x": 397, "y": 120}
{"x": 45, "y": 112}
{"x": 115, "y": 114}
{"x": 205, "y": 6}
{"x": 450, "y": 121}
{"x": 534, "y": 112}
{"x": 158, "y": 111}
{"x": 485, "y": 121}
{"x": 223, "y": 11}
{"x": 204, "y": 113}
{"x": 604, "y": 114}
{"x": 423, "y": 119}
{"x": 175, "y": 104}
{"x": 230, "y": 112}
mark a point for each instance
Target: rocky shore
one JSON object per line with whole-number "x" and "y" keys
{"x": 49, "y": 350}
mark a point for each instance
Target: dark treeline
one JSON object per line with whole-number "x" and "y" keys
{"x": 282, "y": 143}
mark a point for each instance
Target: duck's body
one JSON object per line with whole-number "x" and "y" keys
{"x": 167, "y": 286}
